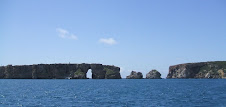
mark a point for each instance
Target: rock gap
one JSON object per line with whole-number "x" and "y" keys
{"x": 89, "y": 74}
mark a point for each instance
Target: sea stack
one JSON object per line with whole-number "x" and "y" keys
{"x": 216, "y": 69}
{"x": 153, "y": 74}
{"x": 135, "y": 75}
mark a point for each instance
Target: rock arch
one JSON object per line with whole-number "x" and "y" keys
{"x": 59, "y": 71}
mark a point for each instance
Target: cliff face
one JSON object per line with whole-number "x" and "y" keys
{"x": 112, "y": 72}
{"x": 59, "y": 71}
{"x": 215, "y": 69}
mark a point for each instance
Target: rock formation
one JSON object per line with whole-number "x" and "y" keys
{"x": 153, "y": 74}
{"x": 112, "y": 72}
{"x": 59, "y": 71}
{"x": 135, "y": 75}
{"x": 215, "y": 69}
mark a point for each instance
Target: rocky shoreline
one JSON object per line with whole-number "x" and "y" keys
{"x": 206, "y": 70}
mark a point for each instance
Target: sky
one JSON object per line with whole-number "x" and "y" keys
{"x": 138, "y": 35}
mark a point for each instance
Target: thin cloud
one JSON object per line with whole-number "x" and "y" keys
{"x": 108, "y": 41}
{"x": 62, "y": 33}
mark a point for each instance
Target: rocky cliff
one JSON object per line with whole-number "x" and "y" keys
{"x": 215, "y": 69}
{"x": 59, "y": 71}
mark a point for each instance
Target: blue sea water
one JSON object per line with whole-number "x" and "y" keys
{"x": 107, "y": 92}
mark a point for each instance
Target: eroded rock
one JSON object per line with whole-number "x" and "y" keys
{"x": 59, "y": 71}
{"x": 135, "y": 75}
{"x": 112, "y": 72}
{"x": 215, "y": 69}
{"x": 79, "y": 74}
{"x": 98, "y": 71}
{"x": 153, "y": 74}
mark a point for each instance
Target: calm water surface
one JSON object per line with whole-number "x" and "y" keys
{"x": 122, "y": 92}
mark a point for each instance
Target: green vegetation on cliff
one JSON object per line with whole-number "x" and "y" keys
{"x": 221, "y": 65}
{"x": 58, "y": 71}
{"x": 216, "y": 69}
{"x": 79, "y": 72}
{"x": 108, "y": 71}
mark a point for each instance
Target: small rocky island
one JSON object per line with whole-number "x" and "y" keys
{"x": 216, "y": 69}
{"x": 135, "y": 75}
{"x": 153, "y": 74}
{"x": 59, "y": 71}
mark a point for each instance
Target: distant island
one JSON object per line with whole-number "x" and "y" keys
{"x": 216, "y": 69}
{"x": 59, "y": 71}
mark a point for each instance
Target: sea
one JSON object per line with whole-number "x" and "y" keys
{"x": 113, "y": 92}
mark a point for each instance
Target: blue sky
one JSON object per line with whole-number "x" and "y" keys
{"x": 138, "y": 35}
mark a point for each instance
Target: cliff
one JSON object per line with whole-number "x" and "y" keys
{"x": 215, "y": 69}
{"x": 59, "y": 71}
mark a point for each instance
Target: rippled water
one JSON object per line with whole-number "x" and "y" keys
{"x": 122, "y": 92}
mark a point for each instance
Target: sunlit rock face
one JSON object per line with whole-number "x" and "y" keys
{"x": 59, "y": 71}
{"x": 216, "y": 69}
{"x": 135, "y": 75}
{"x": 153, "y": 74}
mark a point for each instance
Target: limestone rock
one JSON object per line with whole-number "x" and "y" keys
{"x": 208, "y": 75}
{"x": 42, "y": 71}
{"x": 216, "y": 69}
{"x": 79, "y": 74}
{"x": 59, "y": 71}
{"x": 98, "y": 71}
{"x": 153, "y": 74}
{"x": 112, "y": 72}
{"x": 18, "y": 72}
{"x": 2, "y": 70}
{"x": 135, "y": 75}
